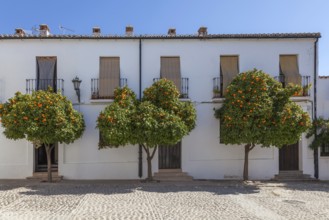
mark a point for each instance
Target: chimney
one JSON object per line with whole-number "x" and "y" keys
{"x": 44, "y": 30}
{"x": 129, "y": 31}
{"x": 202, "y": 31}
{"x": 19, "y": 32}
{"x": 96, "y": 31}
{"x": 172, "y": 32}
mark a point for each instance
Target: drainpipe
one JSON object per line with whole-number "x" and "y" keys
{"x": 140, "y": 150}
{"x": 315, "y": 151}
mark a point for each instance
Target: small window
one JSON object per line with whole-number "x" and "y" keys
{"x": 325, "y": 150}
{"x": 229, "y": 68}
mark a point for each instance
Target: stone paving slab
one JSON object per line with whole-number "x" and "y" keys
{"x": 21, "y": 199}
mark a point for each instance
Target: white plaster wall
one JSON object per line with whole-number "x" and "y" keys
{"x": 202, "y": 155}
{"x": 200, "y": 59}
{"x": 306, "y": 158}
{"x": 81, "y": 160}
{"x": 16, "y": 158}
{"x": 323, "y": 111}
{"x": 205, "y": 158}
{"x": 74, "y": 58}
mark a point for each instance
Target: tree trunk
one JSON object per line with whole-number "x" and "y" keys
{"x": 149, "y": 168}
{"x": 247, "y": 149}
{"x": 149, "y": 158}
{"x": 48, "y": 152}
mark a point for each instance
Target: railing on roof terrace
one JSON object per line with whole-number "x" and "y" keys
{"x": 305, "y": 83}
{"x": 184, "y": 87}
{"x": 95, "y": 88}
{"x": 42, "y": 84}
{"x": 217, "y": 87}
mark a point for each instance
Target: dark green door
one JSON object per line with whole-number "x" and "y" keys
{"x": 170, "y": 156}
{"x": 41, "y": 159}
{"x": 288, "y": 157}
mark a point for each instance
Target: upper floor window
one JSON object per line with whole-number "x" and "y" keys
{"x": 109, "y": 76}
{"x": 170, "y": 69}
{"x": 229, "y": 68}
{"x": 46, "y": 73}
{"x": 289, "y": 70}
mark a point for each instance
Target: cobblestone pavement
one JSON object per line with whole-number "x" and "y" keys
{"x": 135, "y": 200}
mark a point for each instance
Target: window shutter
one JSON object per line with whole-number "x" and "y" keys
{"x": 229, "y": 68}
{"x": 109, "y": 76}
{"x": 289, "y": 68}
{"x": 170, "y": 69}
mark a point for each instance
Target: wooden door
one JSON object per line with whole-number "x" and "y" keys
{"x": 288, "y": 157}
{"x": 170, "y": 156}
{"x": 41, "y": 159}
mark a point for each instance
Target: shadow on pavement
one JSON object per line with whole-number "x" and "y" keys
{"x": 320, "y": 186}
{"x": 107, "y": 187}
{"x": 124, "y": 187}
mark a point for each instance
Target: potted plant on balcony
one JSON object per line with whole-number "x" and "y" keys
{"x": 306, "y": 89}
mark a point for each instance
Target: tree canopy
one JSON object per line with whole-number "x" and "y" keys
{"x": 43, "y": 118}
{"x": 258, "y": 111}
{"x": 320, "y": 128}
{"x": 160, "y": 118}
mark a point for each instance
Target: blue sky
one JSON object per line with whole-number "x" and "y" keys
{"x": 156, "y": 16}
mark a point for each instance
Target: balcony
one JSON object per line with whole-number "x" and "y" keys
{"x": 183, "y": 87}
{"x": 43, "y": 84}
{"x": 306, "y": 83}
{"x": 95, "y": 88}
{"x": 217, "y": 87}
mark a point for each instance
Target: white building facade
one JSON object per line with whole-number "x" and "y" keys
{"x": 139, "y": 60}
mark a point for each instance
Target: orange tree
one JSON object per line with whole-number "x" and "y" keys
{"x": 160, "y": 118}
{"x": 320, "y": 131}
{"x": 258, "y": 111}
{"x": 44, "y": 118}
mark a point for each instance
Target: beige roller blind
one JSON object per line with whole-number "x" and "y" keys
{"x": 170, "y": 69}
{"x": 289, "y": 68}
{"x": 109, "y": 76}
{"x": 229, "y": 67}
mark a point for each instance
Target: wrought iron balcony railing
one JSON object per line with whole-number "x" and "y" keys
{"x": 305, "y": 83}
{"x": 281, "y": 79}
{"x": 217, "y": 87}
{"x": 184, "y": 87}
{"x": 42, "y": 84}
{"x": 95, "y": 88}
